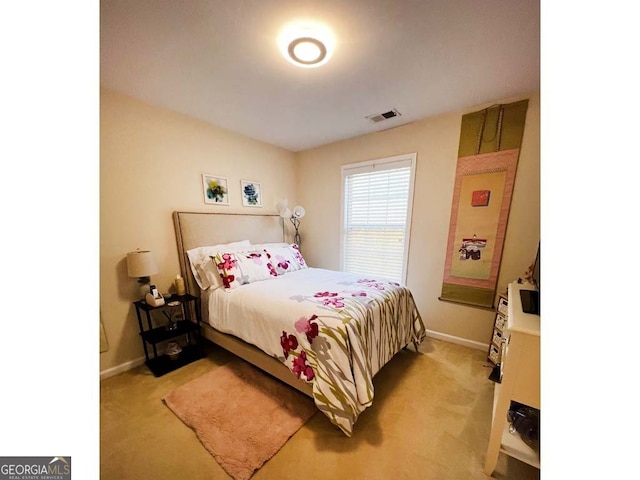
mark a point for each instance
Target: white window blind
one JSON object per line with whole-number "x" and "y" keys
{"x": 377, "y": 214}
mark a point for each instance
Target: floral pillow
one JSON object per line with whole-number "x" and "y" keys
{"x": 286, "y": 258}
{"x": 243, "y": 267}
{"x": 204, "y": 271}
{"x": 298, "y": 256}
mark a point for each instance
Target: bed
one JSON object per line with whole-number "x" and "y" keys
{"x": 323, "y": 332}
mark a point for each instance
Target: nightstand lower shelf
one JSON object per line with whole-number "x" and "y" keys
{"x": 163, "y": 364}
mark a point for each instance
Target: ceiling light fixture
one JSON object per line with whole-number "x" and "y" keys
{"x": 307, "y": 50}
{"x": 306, "y": 45}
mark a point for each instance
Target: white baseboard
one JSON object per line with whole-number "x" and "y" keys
{"x": 110, "y": 372}
{"x": 458, "y": 340}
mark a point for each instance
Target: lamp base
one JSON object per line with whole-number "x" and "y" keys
{"x": 144, "y": 286}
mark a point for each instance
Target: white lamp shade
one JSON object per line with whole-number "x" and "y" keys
{"x": 298, "y": 211}
{"x": 141, "y": 264}
{"x": 281, "y": 205}
{"x": 286, "y": 213}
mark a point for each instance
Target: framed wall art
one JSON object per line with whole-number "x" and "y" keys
{"x": 251, "y": 193}
{"x": 216, "y": 190}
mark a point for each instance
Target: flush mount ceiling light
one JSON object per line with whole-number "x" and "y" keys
{"x": 307, "y": 50}
{"x": 306, "y": 45}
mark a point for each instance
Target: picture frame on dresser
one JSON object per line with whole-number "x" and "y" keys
{"x": 503, "y": 305}
{"x": 497, "y": 336}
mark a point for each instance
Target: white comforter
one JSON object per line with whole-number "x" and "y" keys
{"x": 330, "y": 328}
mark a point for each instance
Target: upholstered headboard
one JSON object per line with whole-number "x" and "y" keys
{"x": 197, "y": 229}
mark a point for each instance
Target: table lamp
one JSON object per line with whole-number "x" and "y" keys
{"x": 140, "y": 265}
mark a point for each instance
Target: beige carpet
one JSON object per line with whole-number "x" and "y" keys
{"x": 430, "y": 420}
{"x": 241, "y": 416}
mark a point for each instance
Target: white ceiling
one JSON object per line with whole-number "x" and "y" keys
{"x": 218, "y": 61}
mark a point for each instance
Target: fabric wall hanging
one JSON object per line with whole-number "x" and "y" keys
{"x": 485, "y": 174}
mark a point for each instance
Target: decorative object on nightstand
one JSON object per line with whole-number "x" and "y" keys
{"x": 173, "y": 350}
{"x": 293, "y": 215}
{"x": 154, "y": 334}
{"x": 180, "y": 288}
{"x": 153, "y": 298}
{"x": 171, "y": 325}
{"x": 140, "y": 265}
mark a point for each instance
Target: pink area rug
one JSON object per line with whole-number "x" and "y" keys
{"x": 241, "y": 415}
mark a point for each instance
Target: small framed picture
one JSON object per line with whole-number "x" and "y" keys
{"x": 251, "y": 193}
{"x": 216, "y": 190}
{"x": 494, "y": 354}
{"x": 503, "y": 306}
{"x": 480, "y": 198}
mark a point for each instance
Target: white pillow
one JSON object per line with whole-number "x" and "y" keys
{"x": 243, "y": 267}
{"x": 204, "y": 270}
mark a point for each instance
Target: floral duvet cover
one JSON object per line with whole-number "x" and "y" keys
{"x": 333, "y": 329}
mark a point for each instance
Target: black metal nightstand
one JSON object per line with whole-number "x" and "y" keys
{"x": 192, "y": 351}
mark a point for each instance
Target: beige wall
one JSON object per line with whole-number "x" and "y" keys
{"x": 435, "y": 140}
{"x": 151, "y": 161}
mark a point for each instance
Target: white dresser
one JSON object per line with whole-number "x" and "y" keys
{"x": 520, "y": 366}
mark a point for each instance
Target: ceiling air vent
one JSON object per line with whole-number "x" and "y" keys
{"x": 378, "y": 117}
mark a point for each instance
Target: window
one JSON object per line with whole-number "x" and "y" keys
{"x": 376, "y": 207}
